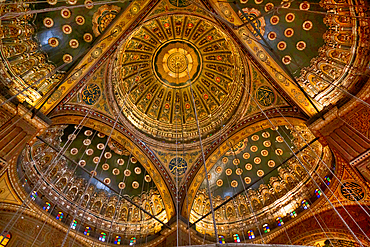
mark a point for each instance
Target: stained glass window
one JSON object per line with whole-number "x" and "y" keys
{"x": 73, "y": 224}
{"x": 279, "y": 221}
{"x": 102, "y": 236}
{"x": 117, "y": 240}
{"x": 236, "y": 238}
{"x": 266, "y": 228}
{"x": 305, "y": 204}
{"x": 132, "y": 241}
{"x": 327, "y": 180}
{"x": 221, "y": 239}
{"x": 87, "y": 231}
{"x": 60, "y": 216}
{"x": 47, "y": 206}
{"x": 318, "y": 193}
{"x": 4, "y": 239}
{"x": 251, "y": 234}
{"x": 34, "y": 195}
{"x": 293, "y": 214}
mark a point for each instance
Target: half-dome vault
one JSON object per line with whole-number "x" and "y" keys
{"x": 162, "y": 63}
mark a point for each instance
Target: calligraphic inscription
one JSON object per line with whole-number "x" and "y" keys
{"x": 352, "y": 191}
{"x": 90, "y": 94}
{"x": 180, "y": 3}
{"x": 178, "y": 166}
{"x": 265, "y": 96}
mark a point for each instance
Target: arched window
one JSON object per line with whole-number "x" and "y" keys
{"x": 87, "y": 231}
{"x": 221, "y": 239}
{"x": 117, "y": 240}
{"x": 327, "y": 180}
{"x": 318, "y": 193}
{"x": 74, "y": 224}
{"x": 47, "y": 206}
{"x": 279, "y": 221}
{"x": 305, "y": 204}
{"x": 4, "y": 239}
{"x": 34, "y": 195}
{"x": 266, "y": 228}
{"x": 102, "y": 237}
{"x": 60, "y": 216}
{"x": 236, "y": 238}
{"x": 132, "y": 241}
{"x": 251, "y": 234}
{"x": 293, "y": 214}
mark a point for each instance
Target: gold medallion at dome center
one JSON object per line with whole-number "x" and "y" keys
{"x": 177, "y": 62}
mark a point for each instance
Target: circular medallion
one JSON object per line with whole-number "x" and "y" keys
{"x": 236, "y": 162}
{"x": 257, "y": 160}
{"x": 96, "y": 160}
{"x": 267, "y": 143}
{"x": 289, "y": 17}
{"x": 73, "y": 43}
{"x": 137, "y": 170}
{"x": 121, "y": 185}
{"x": 108, "y": 155}
{"x": 260, "y": 173}
{"x": 271, "y": 36}
{"x": 88, "y": 37}
{"x": 271, "y": 163}
{"x": 147, "y": 178}
{"x": 100, "y": 146}
{"x": 66, "y": 29}
{"x": 304, "y": 6}
{"x": 279, "y": 151}
{"x": 52, "y": 2}
{"x": 274, "y": 20}
{"x": 247, "y": 180}
{"x": 87, "y": 142}
{"x": 279, "y": 139}
{"x": 218, "y": 169}
{"x": 89, "y": 151}
{"x": 135, "y": 184}
{"x": 82, "y": 163}
{"x": 91, "y": 94}
{"x": 255, "y": 138}
{"x": 352, "y": 191}
{"x": 225, "y": 160}
{"x": 120, "y": 162}
{"x": 258, "y": 1}
{"x": 219, "y": 182}
{"x": 105, "y": 166}
{"x": 127, "y": 172}
{"x": 228, "y": 171}
{"x": 281, "y": 45}
{"x": 307, "y": 25}
{"x": 100, "y": 135}
{"x": 286, "y": 5}
{"x": 48, "y": 22}
{"x": 289, "y": 32}
{"x": 269, "y": 7}
{"x": 107, "y": 180}
{"x": 301, "y": 45}
{"x": 265, "y": 134}
{"x": 209, "y": 176}
{"x": 265, "y": 97}
{"x": 286, "y": 59}
{"x": 234, "y": 183}
{"x": 254, "y": 149}
{"x": 239, "y": 171}
{"x": 80, "y": 20}
{"x": 178, "y": 166}
{"x": 93, "y": 173}
{"x": 133, "y": 160}
{"x": 74, "y": 151}
{"x": 246, "y": 156}
{"x": 89, "y": 4}
{"x": 53, "y": 42}
{"x": 264, "y": 153}
{"x": 65, "y": 13}
{"x": 67, "y": 58}
{"x": 71, "y": 137}
{"x": 115, "y": 171}
{"x": 248, "y": 166}
{"x": 88, "y": 132}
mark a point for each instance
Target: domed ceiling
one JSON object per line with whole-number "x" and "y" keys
{"x": 164, "y": 64}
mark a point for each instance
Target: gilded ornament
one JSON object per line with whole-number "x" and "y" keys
{"x": 94, "y": 173}
{"x": 274, "y": 20}
{"x": 254, "y": 149}
{"x": 264, "y": 153}
{"x": 120, "y": 162}
{"x": 234, "y": 183}
{"x": 89, "y": 4}
{"x": 286, "y": 59}
{"x": 65, "y": 13}
{"x": 236, "y": 162}
{"x": 107, "y": 180}
{"x": 67, "y": 29}
{"x": 218, "y": 169}
{"x": 180, "y": 3}
{"x": 219, "y": 182}
{"x": 96, "y": 160}
{"x": 147, "y": 178}
{"x": 352, "y": 191}
{"x": 307, "y": 25}
{"x": 265, "y": 134}
{"x": 281, "y": 45}
{"x": 71, "y": 137}
{"x": 225, "y": 160}
{"x": 80, "y": 20}
{"x": 88, "y": 132}
{"x": 228, "y": 171}
{"x": 103, "y": 17}
{"x": 178, "y": 166}
{"x": 137, "y": 170}
{"x": 301, "y": 45}
{"x": 100, "y": 146}
{"x": 246, "y": 155}
{"x": 255, "y": 138}
{"x": 108, "y": 155}
{"x": 289, "y": 32}
{"x": 133, "y": 160}
{"x": 279, "y": 151}
{"x": 247, "y": 180}
{"x": 271, "y": 163}
{"x": 100, "y": 135}
{"x": 258, "y": 1}
{"x": 82, "y": 163}
{"x": 90, "y": 95}
{"x": 48, "y": 22}
{"x": 248, "y": 166}
{"x": 260, "y": 173}
{"x": 286, "y": 5}
{"x": 115, "y": 171}
{"x": 121, "y": 185}
{"x": 53, "y": 42}
{"x": 74, "y": 151}
{"x": 52, "y": 2}
{"x": 269, "y": 7}
{"x": 87, "y": 142}
{"x": 105, "y": 166}
{"x": 267, "y": 143}
{"x": 257, "y": 160}
{"x": 279, "y": 139}
{"x": 289, "y": 17}
{"x": 304, "y": 6}
{"x": 72, "y": 2}
{"x": 266, "y": 97}
{"x": 239, "y": 171}
{"x": 271, "y": 36}
{"x": 135, "y": 184}
{"x": 127, "y": 172}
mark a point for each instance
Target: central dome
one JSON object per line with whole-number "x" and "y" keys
{"x": 166, "y": 62}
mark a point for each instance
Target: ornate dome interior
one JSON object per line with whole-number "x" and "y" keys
{"x": 188, "y": 122}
